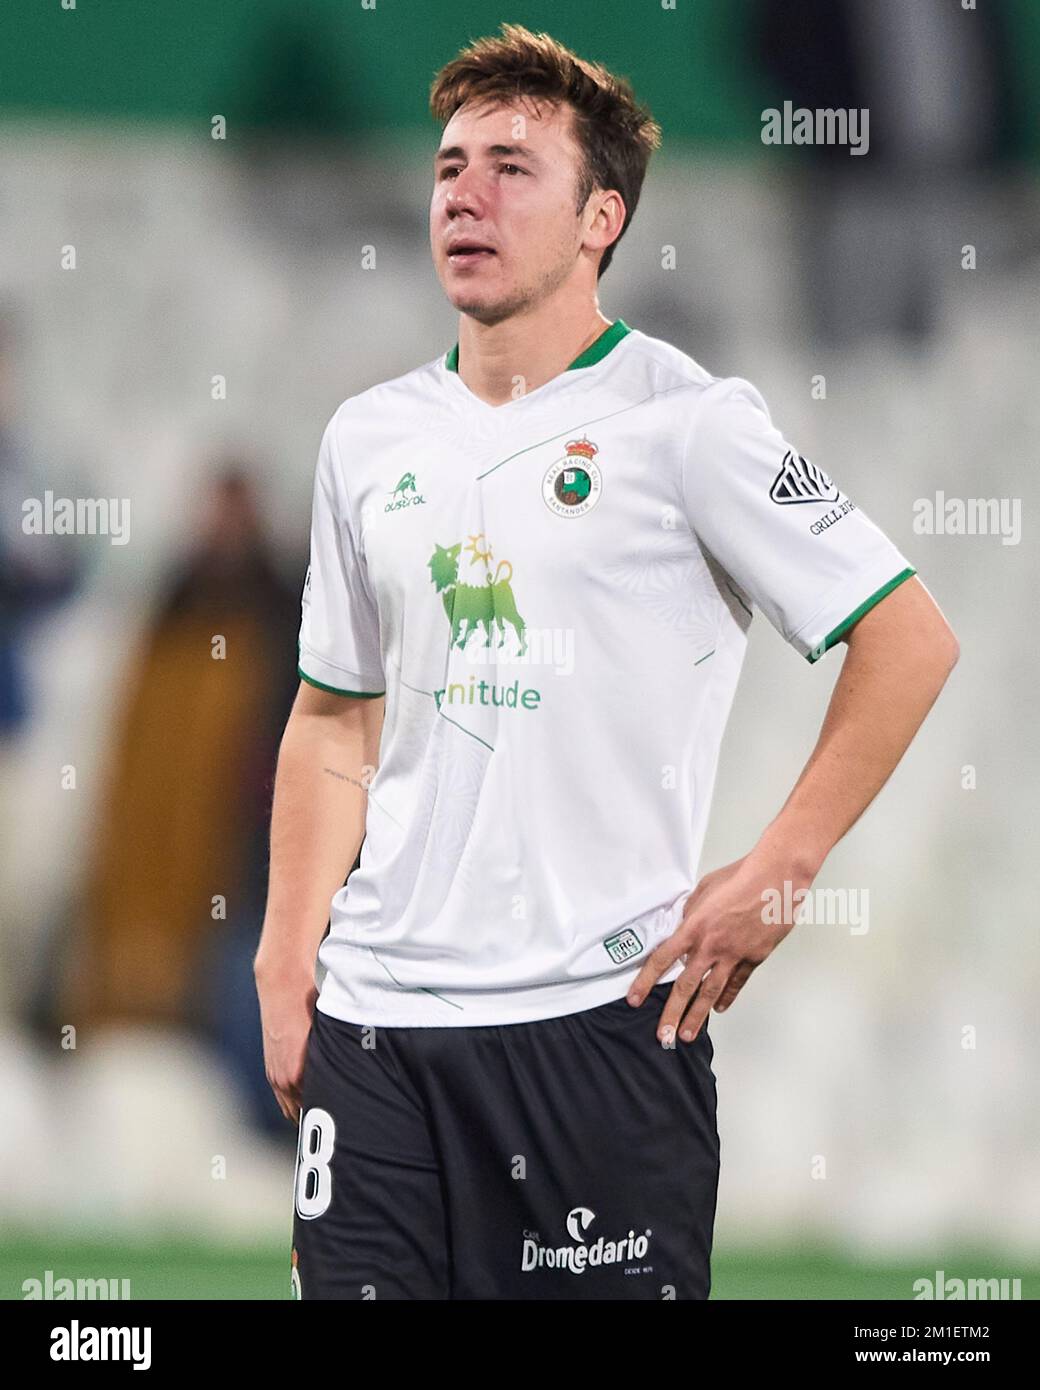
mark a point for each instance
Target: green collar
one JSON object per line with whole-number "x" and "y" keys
{"x": 593, "y": 353}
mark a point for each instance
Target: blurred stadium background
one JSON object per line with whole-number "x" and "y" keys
{"x": 142, "y": 261}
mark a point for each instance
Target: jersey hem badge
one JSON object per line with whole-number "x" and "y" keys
{"x": 574, "y": 484}
{"x": 801, "y": 481}
{"x": 623, "y": 946}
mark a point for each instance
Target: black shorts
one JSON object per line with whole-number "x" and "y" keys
{"x": 566, "y": 1158}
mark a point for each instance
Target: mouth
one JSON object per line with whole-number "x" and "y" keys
{"x": 469, "y": 253}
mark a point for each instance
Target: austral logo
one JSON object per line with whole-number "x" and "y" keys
{"x": 405, "y": 494}
{"x": 573, "y": 485}
{"x": 581, "y": 1254}
{"x": 801, "y": 481}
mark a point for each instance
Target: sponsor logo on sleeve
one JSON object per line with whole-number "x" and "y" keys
{"x": 801, "y": 481}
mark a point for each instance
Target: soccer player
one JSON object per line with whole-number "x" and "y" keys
{"x": 534, "y": 560}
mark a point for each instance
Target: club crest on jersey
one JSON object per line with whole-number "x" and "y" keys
{"x": 801, "y": 481}
{"x": 573, "y": 485}
{"x": 405, "y": 494}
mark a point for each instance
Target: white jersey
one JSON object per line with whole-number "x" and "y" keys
{"x": 554, "y": 596}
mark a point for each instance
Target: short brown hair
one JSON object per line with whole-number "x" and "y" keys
{"x": 615, "y": 134}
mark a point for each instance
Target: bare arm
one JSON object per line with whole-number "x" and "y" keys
{"x": 899, "y": 657}
{"x": 326, "y": 758}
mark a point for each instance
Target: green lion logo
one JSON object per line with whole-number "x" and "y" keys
{"x": 474, "y": 607}
{"x": 407, "y": 484}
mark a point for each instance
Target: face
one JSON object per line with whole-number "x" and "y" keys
{"x": 504, "y": 230}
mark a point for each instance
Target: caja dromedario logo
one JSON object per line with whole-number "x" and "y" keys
{"x": 476, "y": 607}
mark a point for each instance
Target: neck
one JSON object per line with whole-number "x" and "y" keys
{"x": 501, "y": 361}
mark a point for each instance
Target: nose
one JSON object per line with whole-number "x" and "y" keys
{"x": 462, "y": 195}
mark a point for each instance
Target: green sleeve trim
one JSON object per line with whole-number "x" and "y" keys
{"x": 865, "y": 607}
{"x": 334, "y": 690}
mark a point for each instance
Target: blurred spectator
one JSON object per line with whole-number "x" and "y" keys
{"x": 185, "y": 817}
{"x": 36, "y": 571}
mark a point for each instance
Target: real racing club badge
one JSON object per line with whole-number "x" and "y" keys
{"x": 573, "y": 485}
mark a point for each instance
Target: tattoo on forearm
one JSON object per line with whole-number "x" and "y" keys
{"x": 342, "y": 776}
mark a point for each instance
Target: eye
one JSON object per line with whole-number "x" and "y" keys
{"x": 515, "y": 167}
{"x": 450, "y": 169}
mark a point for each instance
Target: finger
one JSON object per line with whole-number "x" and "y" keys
{"x": 661, "y": 959}
{"x": 736, "y": 982}
{"x": 285, "y": 1102}
{"x": 684, "y": 988}
{"x": 295, "y": 1099}
{"x": 709, "y": 991}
